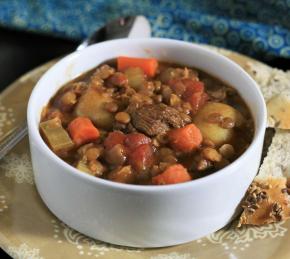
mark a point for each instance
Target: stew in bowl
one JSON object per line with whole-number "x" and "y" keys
{"x": 143, "y": 121}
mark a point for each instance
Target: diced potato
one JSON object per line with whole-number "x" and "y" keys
{"x": 92, "y": 104}
{"x": 55, "y": 135}
{"x": 135, "y": 77}
{"x": 213, "y": 131}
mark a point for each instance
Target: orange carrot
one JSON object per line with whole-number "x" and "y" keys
{"x": 148, "y": 65}
{"x": 82, "y": 130}
{"x": 185, "y": 139}
{"x": 173, "y": 174}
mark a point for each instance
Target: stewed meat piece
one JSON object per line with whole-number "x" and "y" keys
{"x": 157, "y": 119}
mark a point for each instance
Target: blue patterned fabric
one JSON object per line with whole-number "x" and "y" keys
{"x": 259, "y": 28}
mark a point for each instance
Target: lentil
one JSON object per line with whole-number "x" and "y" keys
{"x": 227, "y": 151}
{"x": 169, "y": 159}
{"x": 158, "y": 98}
{"x": 97, "y": 168}
{"x": 157, "y": 86}
{"x": 211, "y": 154}
{"x": 69, "y": 98}
{"x": 174, "y": 100}
{"x": 203, "y": 164}
{"x": 186, "y": 107}
{"x": 214, "y": 118}
{"x": 93, "y": 153}
{"x": 118, "y": 79}
{"x": 123, "y": 117}
{"x": 227, "y": 123}
{"x": 116, "y": 155}
{"x": 207, "y": 142}
{"x": 111, "y": 107}
{"x": 219, "y": 94}
{"x": 166, "y": 93}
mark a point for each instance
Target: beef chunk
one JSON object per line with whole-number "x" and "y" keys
{"x": 157, "y": 119}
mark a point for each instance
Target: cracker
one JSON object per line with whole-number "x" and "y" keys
{"x": 275, "y": 87}
{"x": 266, "y": 202}
{"x": 271, "y": 182}
{"x": 279, "y": 112}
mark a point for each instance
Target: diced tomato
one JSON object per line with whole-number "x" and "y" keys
{"x": 197, "y": 100}
{"x": 177, "y": 86}
{"x": 185, "y": 139}
{"x": 194, "y": 94}
{"x": 118, "y": 79}
{"x": 192, "y": 87}
{"x": 142, "y": 158}
{"x": 133, "y": 140}
{"x": 114, "y": 138}
{"x": 173, "y": 174}
{"x": 185, "y": 87}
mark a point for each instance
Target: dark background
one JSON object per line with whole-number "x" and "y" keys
{"x": 21, "y": 52}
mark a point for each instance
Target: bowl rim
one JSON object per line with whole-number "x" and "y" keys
{"x": 33, "y": 127}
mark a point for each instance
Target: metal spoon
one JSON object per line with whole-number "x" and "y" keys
{"x": 125, "y": 27}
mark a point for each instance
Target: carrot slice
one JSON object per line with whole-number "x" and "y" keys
{"x": 173, "y": 174}
{"x": 82, "y": 130}
{"x": 148, "y": 65}
{"x": 185, "y": 139}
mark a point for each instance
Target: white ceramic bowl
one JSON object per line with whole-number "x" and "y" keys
{"x": 143, "y": 216}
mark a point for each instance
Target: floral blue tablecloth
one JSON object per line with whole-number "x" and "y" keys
{"x": 257, "y": 28}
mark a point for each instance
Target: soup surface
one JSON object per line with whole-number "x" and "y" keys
{"x": 142, "y": 121}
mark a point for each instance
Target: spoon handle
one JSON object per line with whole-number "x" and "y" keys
{"x": 9, "y": 140}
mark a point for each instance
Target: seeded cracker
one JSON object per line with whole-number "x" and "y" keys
{"x": 267, "y": 199}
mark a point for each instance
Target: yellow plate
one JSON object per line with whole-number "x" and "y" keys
{"x": 29, "y": 230}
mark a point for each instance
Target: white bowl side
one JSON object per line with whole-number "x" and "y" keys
{"x": 134, "y": 215}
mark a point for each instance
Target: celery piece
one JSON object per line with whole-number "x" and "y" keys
{"x": 55, "y": 135}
